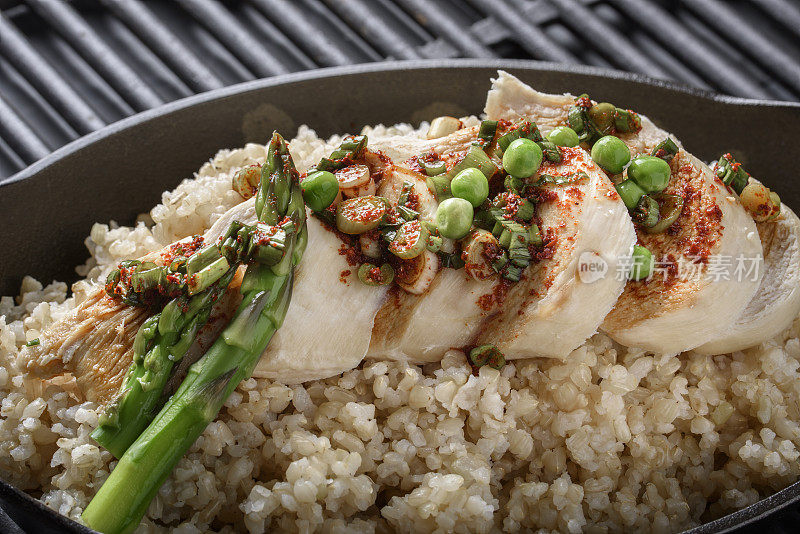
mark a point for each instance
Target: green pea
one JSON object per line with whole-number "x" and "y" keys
{"x": 611, "y": 154}
{"x": 319, "y": 189}
{"x": 564, "y": 136}
{"x": 522, "y": 158}
{"x": 650, "y": 173}
{"x": 642, "y": 263}
{"x": 471, "y": 185}
{"x": 454, "y": 218}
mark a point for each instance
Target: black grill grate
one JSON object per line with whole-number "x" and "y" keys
{"x": 68, "y": 67}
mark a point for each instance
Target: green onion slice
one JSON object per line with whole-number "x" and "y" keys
{"x": 350, "y": 149}
{"x": 665, "y": 150}
{"x": 547, "y": 179}
{"x": 646, "y": 213}
{"x": 513, "y": 272}
{"x": 524, "y": 128}
{"x": 487, "y": 355}
{"x": 626, "y": 121}
{"x": 434, "y": 168}
{"x": 360, "y": 214}
{"x": 207, "y": 276}
{"x": 731, "y": 173}
{"x": 630, "y": 193}
{"x": 474, "y": 158}
{"x": 451, "y": 261}
{"x": 371, "y": 275}
{"x": 440, "y": 187}
{"x": 670, "y": 207}
{"x": 535, "y": 236}
{"x": 486, "y": 133}
{"x": 410, "y": 241}
{"x": 550, "y": 150}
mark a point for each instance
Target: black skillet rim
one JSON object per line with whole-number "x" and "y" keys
{"x": 740, "y": 518}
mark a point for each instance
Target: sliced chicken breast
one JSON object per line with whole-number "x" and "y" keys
{"x": 421, "y": 328}
{"x": 562, "y": 300}
{"x": 548, "y": 314}
{"x": 94, "y": 343}
{"x": 695, "y": 303}
{"x": 777, "y": 301}
{"x": 329, "y": 323}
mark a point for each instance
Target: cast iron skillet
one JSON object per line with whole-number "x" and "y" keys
{"x": 48, "y": 209}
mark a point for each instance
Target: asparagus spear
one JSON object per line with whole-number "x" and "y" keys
{"x": 168, "y": 334}
{"x": 124, "y": 497}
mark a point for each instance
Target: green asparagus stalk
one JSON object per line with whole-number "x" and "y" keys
{"x": 161, "y": 341}
{"x": 124, "y": 497}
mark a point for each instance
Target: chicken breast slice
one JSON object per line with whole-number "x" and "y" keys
{"x": 94, "y": 342}
{"x": 777, "y": 301}
{"x": 561, "y": 301}
{"x": 548, "y": 314}
{"x": 329, "y": 323}
{"x": 421, "y": 328}
{"x": 328, "y": 326}
{"x": 713, "y": 225}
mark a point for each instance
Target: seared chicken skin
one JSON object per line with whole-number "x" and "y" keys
{"x": 94, "y": 342}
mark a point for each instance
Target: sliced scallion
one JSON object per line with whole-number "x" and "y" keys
{"x": 550, "y": 150}
{"x": 535, "y": 236}
{"x": 665, "y": 150}
{"x": 486, "y": 133}
{"x": 474, "y": 158}
{"x": 202, "y": 258}
{"x": 626, "y": 121}
{"x": 630, "y": 193}
{"x": 523, "y": 129}
{"x": 487, "y": 355}
{"x": 669, "y": 209}
{"x": 439, "y": 185}
{"x": 646, "y": 213}
{"x": 207, "y": 276}
{"x": 434, "y": 168}
{"x": 360, "y": 214}
{"x": 410, "y": 241}
{"x": 147, "y": 276}
{"x": 525, "y": 210}
{"x": 372, "y": 275}
{"x": 547, "y": 179}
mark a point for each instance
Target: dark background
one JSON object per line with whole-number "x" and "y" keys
{"x": 68, "y": 68}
